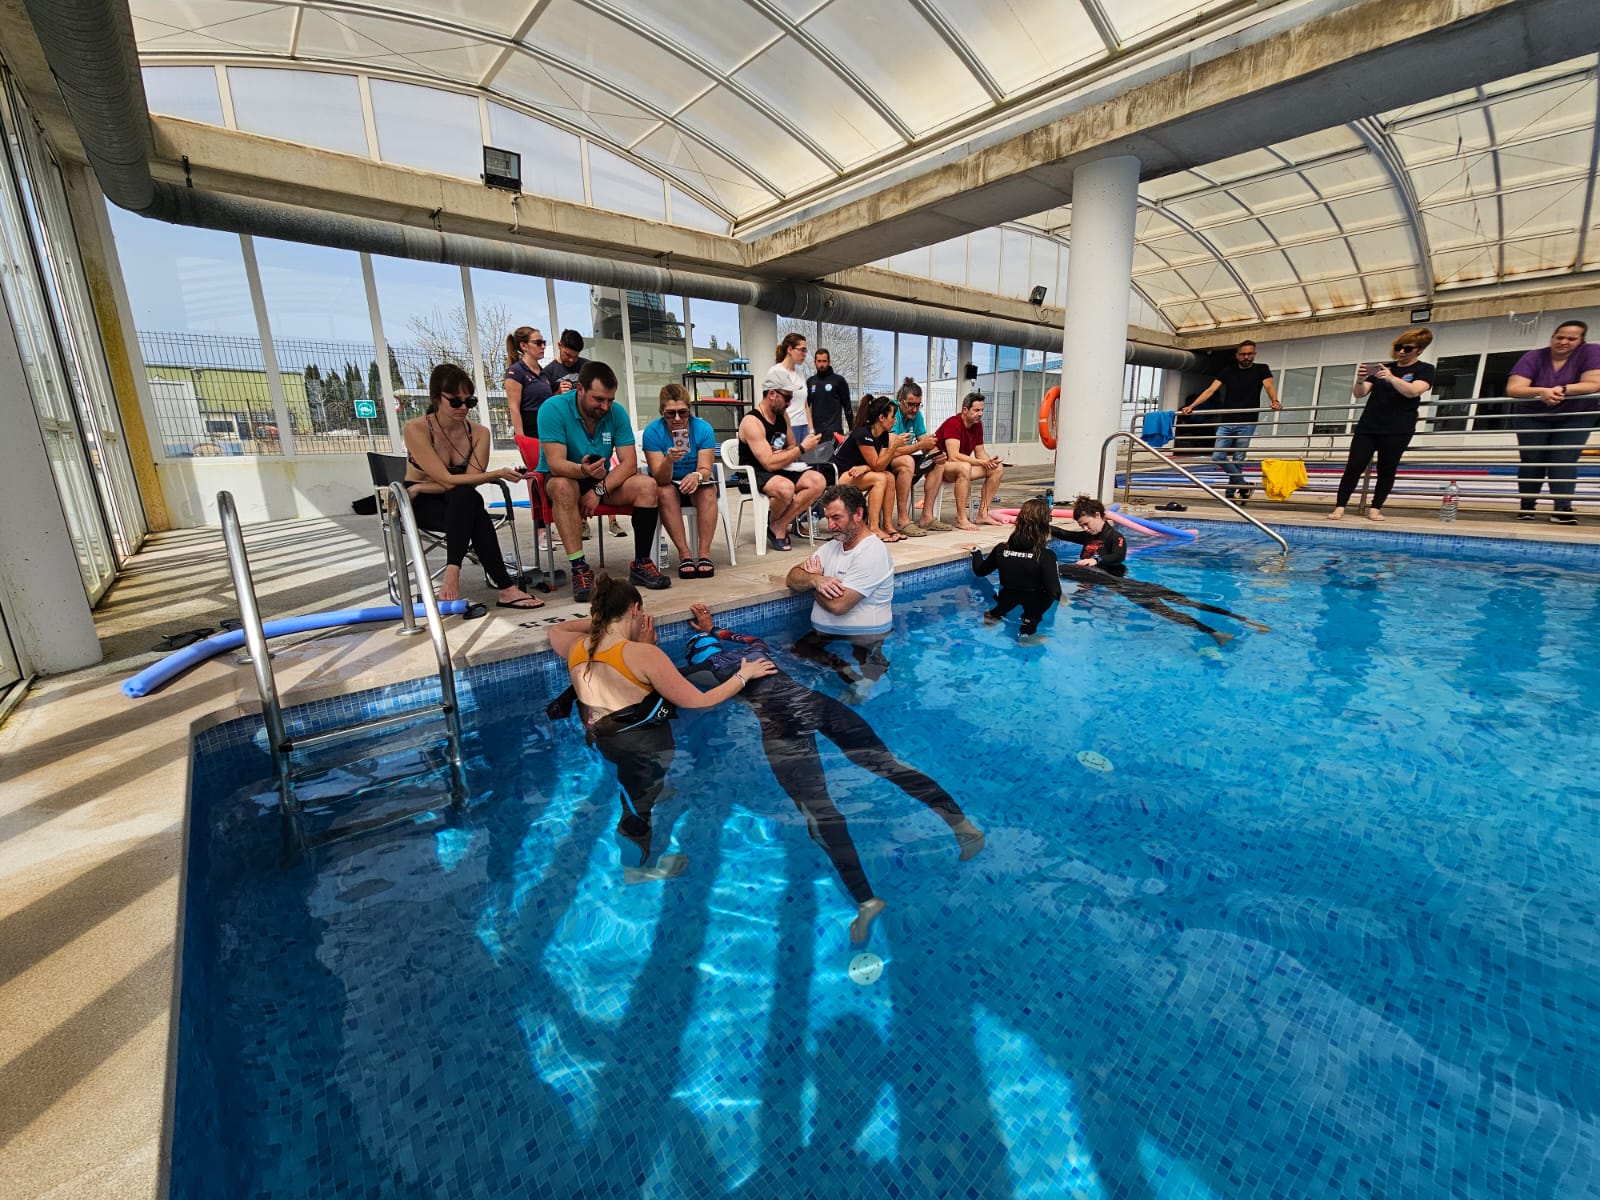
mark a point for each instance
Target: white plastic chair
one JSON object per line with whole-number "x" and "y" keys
{"x": 733, "y": 477}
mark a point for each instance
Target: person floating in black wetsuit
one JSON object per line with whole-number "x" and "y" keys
{"x": 1027, "y": 566}
{"x": 791, "y": 716}
{"x": 1104, "y": 561}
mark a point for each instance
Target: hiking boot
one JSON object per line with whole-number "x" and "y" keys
{"x": 582, "y": 581}
{"x": 643, "y": 573}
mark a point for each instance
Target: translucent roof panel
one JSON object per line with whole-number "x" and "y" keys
{"x": 789, "y": 94}
{"x": 1481, "y": 186}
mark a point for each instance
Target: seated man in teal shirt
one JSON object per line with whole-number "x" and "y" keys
{"x": 580, "y": 432}
{"x": 917, "y": 459}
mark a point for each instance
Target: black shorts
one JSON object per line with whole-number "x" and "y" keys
{"x": 762, "y": 477}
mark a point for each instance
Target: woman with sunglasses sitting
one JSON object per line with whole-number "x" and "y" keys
{"x": 447, "y": 457}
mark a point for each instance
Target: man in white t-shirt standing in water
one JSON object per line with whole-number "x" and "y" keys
{"x": 851, "y": 580}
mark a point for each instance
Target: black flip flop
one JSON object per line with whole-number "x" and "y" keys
{"x": 525, "y": 604}
{"x": 703, "y": 568}
{"x": 686, "y": 569}
{"x": 177, "y": 641}
{"x": 474, "y": 611}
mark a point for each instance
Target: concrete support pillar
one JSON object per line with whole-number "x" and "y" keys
{"x": 1099, "y": 272}
{"x": 41, "y": 590}
{"x": 758, "y": 338}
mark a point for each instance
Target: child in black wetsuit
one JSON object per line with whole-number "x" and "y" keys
{"x": 1103, "y": 545}
{"x": 1104, "y": 561}
{"x": 1028, "y": 569}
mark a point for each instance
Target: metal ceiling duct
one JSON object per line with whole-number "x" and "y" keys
{"x": 90, "y": 47}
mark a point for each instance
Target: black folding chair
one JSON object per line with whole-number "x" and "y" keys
{"x": 391, "y": 468}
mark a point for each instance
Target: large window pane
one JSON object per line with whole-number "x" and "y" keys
{"x": 688, "y": 211}
{"x": 1032, "y": 394}
{"x": 425, "y": 324}
{"x": 427, "y": 128}
{"x": 617, "y": 184}
{"x": 197, "y": 337}
{"x": 1297, "y": 388}
{"x": 551, "y": 165}
{"x": 716, "y": 332}
{"x": 187, "y": 92}
{"x": 506, "y": 302}
{"x": 1456, "y": 376}
{"x": 876, "y": 371}
{"x": 913, "y": 358}
{"x": 313, "y": 108}
{"x": 1001, "y": 412}
{"x": 941, "y": 393}
{"x": 657, "y": 343}
{"x": 1335, "y": 406}
{"x": 322, "y": 334}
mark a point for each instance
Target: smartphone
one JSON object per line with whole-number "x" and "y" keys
{"x": 680, "y": 438}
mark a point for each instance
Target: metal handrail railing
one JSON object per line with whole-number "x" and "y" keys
{"x": 1477, "y": 436}
{"x": 1135, "y": 440}
{"x": 401, "y": 500}
{"x": 279, "y": 743}
{"x": 255, "y": 639}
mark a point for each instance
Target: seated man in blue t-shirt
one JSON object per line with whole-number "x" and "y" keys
{"x": 916, "y": 459}
{"x": 580, "y": 432}
{"x": 678, "y": 452}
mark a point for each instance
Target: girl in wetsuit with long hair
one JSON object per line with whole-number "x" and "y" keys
{"x": 1027, "y": 566}
{"x": 627, "y": 689}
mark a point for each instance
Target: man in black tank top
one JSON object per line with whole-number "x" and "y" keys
{"x": 764, "y": 444}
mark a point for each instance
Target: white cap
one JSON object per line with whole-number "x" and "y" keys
{"x": 777, "y": 379}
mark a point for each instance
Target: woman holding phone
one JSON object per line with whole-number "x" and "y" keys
{"x": 679, "y": 450}
{"x": 447, "y": 457}
{"x": 863, "y": 459}
{"x": 1393, "y": 392}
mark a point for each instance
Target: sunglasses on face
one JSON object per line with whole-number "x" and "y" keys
{"x": 462, "y": 401}
{"x": 675, "y": 412}
{"x": 1405, "y": 349}
{"x": 538, "y": 341}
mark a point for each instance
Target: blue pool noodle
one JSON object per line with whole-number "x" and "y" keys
{"x": 179, "y": 661}
{"x": 1154, "y": 526}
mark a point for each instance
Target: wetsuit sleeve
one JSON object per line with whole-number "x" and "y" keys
{"x": 986, "y": 566}
{"x": 1113, "y": 547}
{"x": 1049, "y": 572}
{"x": 1069, "y": 535}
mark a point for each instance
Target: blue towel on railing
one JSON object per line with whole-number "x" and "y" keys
{"x": 1158, "y": 427}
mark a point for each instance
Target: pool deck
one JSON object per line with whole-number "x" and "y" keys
{"x": 92, "y": 806}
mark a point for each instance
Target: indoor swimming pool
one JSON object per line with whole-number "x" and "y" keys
{"x": 1305, "y": 911}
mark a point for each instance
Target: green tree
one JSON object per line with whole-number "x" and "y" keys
{"x": 374, "y": 383}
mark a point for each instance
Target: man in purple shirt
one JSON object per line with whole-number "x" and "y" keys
{"x": 1560, "y": 390}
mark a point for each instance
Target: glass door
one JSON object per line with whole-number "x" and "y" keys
{"x": 10, "y": 673}
{"x": 48, "y": 385}
{"x": 43, "y": 192}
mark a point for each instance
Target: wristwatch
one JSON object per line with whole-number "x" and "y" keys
{"x": 600, "y": 489}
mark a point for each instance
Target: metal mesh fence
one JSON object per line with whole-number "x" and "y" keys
{"x": 212, "y": 396}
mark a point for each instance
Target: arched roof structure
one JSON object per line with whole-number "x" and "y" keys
{"x": 749, "y": 107}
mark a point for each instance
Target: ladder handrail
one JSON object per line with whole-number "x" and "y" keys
{"x": 411, "y": 552}
{"x": 256, "y": 639}
{"x": 1135, "y": 440}
{"x": 430, "y": 604}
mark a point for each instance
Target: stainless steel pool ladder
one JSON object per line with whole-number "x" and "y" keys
{"x": 408, "y": 553}
{"x": 1135, "y": 440}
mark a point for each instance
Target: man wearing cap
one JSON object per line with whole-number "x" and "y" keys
{"x": 766, "y": 442}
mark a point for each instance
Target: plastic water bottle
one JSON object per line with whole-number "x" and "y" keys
{"x": 1451, "y": 503}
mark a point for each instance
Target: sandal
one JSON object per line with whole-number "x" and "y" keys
{"x": 703, "y": 568}
{"x": 686, "y": 568}
{"x": 891, "y": 537}
{"x": 778, "y": 543}
{"x": 521, "y": 603}
{"x": 912, "y": 529}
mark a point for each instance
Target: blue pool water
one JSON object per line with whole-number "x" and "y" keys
{"x": 1326, "y": 926}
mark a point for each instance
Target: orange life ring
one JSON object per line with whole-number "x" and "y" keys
{"x": 1047, "y": 414}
